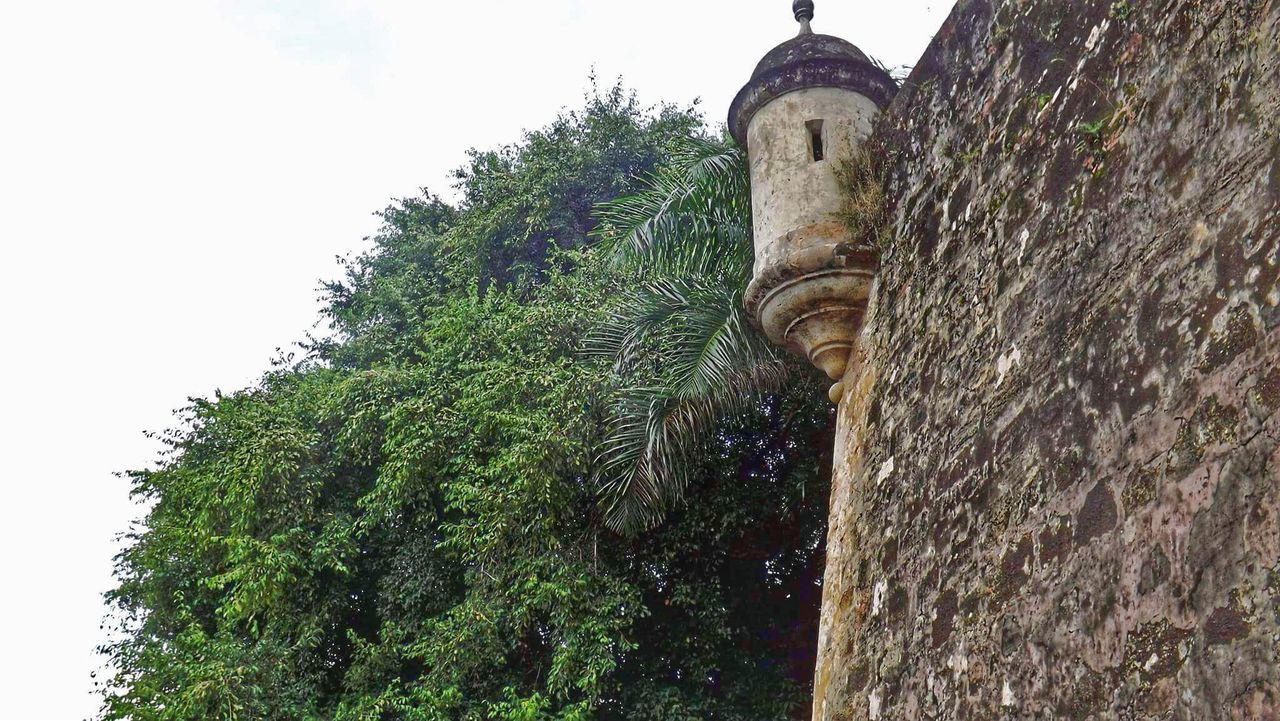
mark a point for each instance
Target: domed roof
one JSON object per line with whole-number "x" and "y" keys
{"x": 810, "y": 46}
{"x": 808, "y": 61}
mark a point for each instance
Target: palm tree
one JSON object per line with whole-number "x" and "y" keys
{"x": 684, "y": 353}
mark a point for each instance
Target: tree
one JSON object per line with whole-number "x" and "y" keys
{"x": 404, "y": 524}
{"x": 684, "y": 353}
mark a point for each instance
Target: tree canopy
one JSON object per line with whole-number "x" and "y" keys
{"x": 406, "y": 523}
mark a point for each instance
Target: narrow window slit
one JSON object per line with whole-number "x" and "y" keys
{"x": 815, "y": 139}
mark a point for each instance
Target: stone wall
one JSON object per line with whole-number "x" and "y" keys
{"x": 1057, "y": 488}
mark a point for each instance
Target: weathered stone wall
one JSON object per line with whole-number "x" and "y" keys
{"x": 1058, "y": 476}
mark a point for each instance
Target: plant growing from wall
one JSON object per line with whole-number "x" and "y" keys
{"x": 864, "y": 211}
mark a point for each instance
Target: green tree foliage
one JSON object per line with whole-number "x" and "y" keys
{"x": 684, "y": 353}
{"x": 405, "y": 525}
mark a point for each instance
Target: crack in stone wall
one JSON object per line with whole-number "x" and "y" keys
{"x": 1057, "y": 481}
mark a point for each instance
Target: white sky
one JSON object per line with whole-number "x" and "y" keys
{"x": 176, "y": 177}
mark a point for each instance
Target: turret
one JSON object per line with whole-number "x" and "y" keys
{"x": 808, "y": 108}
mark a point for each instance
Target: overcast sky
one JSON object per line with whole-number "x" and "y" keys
{"x": 177, "y": 176}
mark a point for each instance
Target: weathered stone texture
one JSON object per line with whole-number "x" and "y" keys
{"x": 1058, "y": 473}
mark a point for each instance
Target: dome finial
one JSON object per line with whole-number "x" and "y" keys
{"x": 804, "y": 13}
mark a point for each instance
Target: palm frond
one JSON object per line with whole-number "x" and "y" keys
{"x": 684, "y": 353}
{"x": 717, "y": 345}
{"x": 693, "y": 214}
{"x": 691, "y": 340}
{"x": 654, "y": 437}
